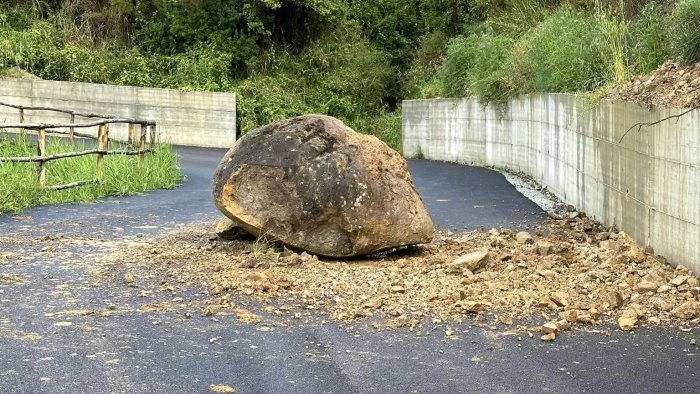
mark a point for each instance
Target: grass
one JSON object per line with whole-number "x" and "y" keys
{"x": 685, "y": 31}
{"x": 19, "y": 187}
{"x": 567, "y": 48}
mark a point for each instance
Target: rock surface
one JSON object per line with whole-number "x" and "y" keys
{"x": 227, "y": 229}
{"x": 473, "y": 261}
{"x": 314, "y": 184}
{"x": 523, "y": 237}
{"x": 627, "y": 320}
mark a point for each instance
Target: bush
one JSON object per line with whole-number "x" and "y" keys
{"x": 476, "y": 65}
{"x": 685, "y": 31}
{"x": 386, "y": 127}
{"x": 262, "y": 99}
{"x": 453, "y": 75}
{"x": 564, "y": 54}
{"x": 338, "y": 75}
{"x": 648, "y": 39}
{"x": 488, "y": 77}
{"x": 428, "y": 57}
{"x": 514, "y": 18}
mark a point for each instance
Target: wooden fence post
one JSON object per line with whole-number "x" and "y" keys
{"x": 41, "y": 152}
{"x": 142, "y": 144}
{"x": 21, "y": 120}
{"x": 101, "y": 147}
{"x": 132, "y": 131}
{"x": 71, "y": 130}
{"x": 153, "y": 136}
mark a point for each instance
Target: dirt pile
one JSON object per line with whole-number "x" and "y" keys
{"x": 567, "y": 273}
{"x": 670, "y": 85}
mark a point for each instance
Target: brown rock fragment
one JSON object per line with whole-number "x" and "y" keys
{"x": 614, "y": 298}
{"x": 627, "y": 320}
{"x": 374, "y": 304}
{"x": 687, "y": 310}
{"x": 585, "y": 317}
{"x": 571, "y": 315}
{"x": 647, "y": 286}
{"x": 563, "y": 325}
{"x": 473, "y": 261}
{"x": 547, "y": 274}
{"x": 548, "y": 337}
{"x": 679, "y": 280}
{"x": 549, "y": 328}
{"x": 544, "y": 248}
{"x": 523, "y": 237}
{"x": 398, "y": 289}
{"x": 560, "y": 298}
{"x": 473, "y": 306}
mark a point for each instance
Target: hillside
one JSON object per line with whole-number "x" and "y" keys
{"x": 349, "y": 59}
{"x": 670, "y": 85}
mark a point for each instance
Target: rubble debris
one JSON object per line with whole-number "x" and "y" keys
{"x": 669, "y": 85}
{"x": 581, "y": 281}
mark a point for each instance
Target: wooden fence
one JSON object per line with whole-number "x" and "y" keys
{"x": 102, "y": 139}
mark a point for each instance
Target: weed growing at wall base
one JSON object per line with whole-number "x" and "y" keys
{"x": 19, "y": 187}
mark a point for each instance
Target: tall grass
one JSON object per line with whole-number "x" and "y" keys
{"x": 476, "y": 65}
{"x": 19, "y": 187}
{"x": 612, "y": 44}
{"x": 562, "y": 54}
{"x": 685, "y": 31}
{"x": 648, "y": 39}
{"x": 533, "y": 46}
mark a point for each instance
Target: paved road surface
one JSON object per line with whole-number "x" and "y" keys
{"x": 167, "y": 353}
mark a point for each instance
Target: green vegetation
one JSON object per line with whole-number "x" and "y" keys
{"x": 648, "y": 38}
{"x": 685, "y": 31}
{"x": 526, "y": 46}
{"x": 20, "y": 188}
{"x": 566, "y": 53}
{"x": 355, "y": 60}
{"x": 475, "y": 64}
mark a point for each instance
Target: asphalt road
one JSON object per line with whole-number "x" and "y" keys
{"x": 135, "y": 352}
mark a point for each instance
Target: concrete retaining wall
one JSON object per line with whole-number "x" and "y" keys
{"x": 183, "y": 118}
{"x": 648, "y": 185}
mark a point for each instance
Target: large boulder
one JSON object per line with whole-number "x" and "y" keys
{"x": 314, "y": 184}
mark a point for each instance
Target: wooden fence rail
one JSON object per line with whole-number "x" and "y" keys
{"x": 73, "y": 114}
{"x": 102, "y": 141}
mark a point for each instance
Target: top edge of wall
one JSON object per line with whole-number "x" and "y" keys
{"x": 125, "y": 87}
{"x": 545, "y": 94}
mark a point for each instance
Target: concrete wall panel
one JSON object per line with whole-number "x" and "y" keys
{"x": 182, "y": 118}
{"x": 647, "y": 184}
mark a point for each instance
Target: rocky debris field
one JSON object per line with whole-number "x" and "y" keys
{"x": 567, "y": 274}
{"x": 669, "y": 85}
